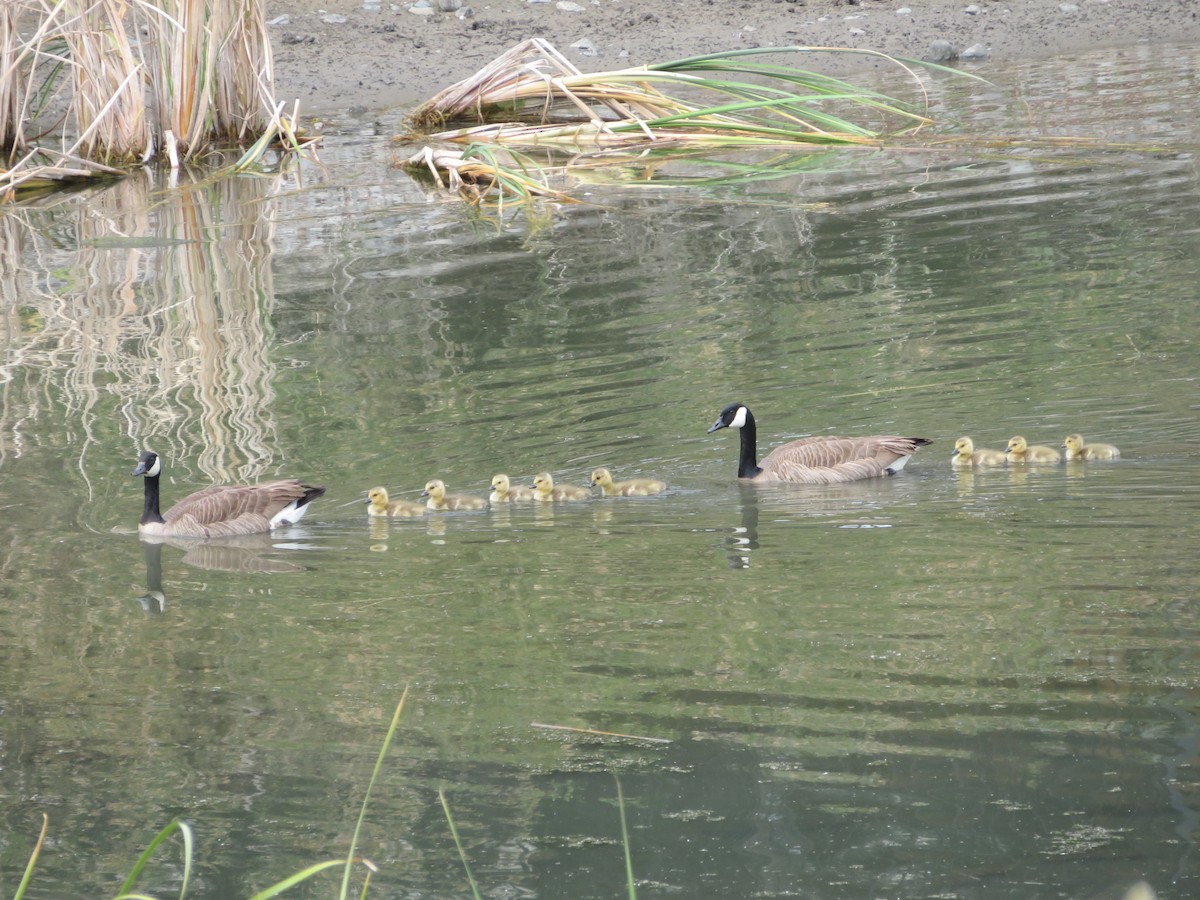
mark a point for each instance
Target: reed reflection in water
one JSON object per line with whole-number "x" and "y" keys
{"x": 164, "y": 321}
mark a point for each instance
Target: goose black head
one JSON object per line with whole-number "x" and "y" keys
{"x": 148, "y": 464}
{"x": 732, "y": 416}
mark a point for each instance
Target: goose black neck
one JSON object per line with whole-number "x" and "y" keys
{"x": 748, "y": 460}
{"x": 150, "y": 511}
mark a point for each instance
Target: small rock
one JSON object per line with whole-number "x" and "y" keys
{"x": 941, "y": 52}
{"x": 279, "y": 20}
{"x": 904, "y": 11}
{"x": 334, "y": 19}
{"x": 289, "y": 38}
{"x": 1068, "y": 9}
{"x": 370, "y": 5}
{"x": 464, "y": 12}
{"x": 977, "y": 51}
{"x": 856, "y": 32}
{"x": 586, "y": 47}
{"x": 449, "y": 5}
{"x": 421, "y": 8}
{"x": 568, "y": 6}
{"x": 972, "y": 10}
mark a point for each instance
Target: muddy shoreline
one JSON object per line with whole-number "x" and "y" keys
{"x": 364, "y": 57}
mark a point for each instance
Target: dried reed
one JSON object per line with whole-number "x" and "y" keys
{"x": 170, "y": 80}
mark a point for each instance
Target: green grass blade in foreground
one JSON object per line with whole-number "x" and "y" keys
{"x": 37, "y": 849}
{"x": 303, "y": 875}
{"x": 188, "y": 849}
{"x": 362, "y": 813}
{"x": 462, "y": 854}
{"x": 625, "y": 841}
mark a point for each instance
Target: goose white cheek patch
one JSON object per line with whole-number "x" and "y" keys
{"x": 739, "y": 418}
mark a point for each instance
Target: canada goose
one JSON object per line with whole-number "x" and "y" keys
{"x": 439, "y": 500}
{"x": 965, "y": 454}
{"x": 504, "y": 491}
{"x": 223, "y": 510}
{"x": 817, "y": 460}
{"x": 544, "y": 490}
{"x": 635, "y": 487}
{"x": 1020, "y": 452}
{"x": 1077, "y": 449}
{"x": 379, "y": 505}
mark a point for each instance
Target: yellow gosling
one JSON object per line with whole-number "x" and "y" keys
{"x": 503, "y": 491}
{"x": 379, "y": 505}
{"x": 1076, "y": 448}
{"x": 545, "y": 491}
{"x": 440, "y": 501}
{"x": 1019, "y": 451}
{"x": 965, "y": 455}
{"x": 635, "y": 487}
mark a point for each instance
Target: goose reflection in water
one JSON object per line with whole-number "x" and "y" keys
{"x": 252, "y": 554}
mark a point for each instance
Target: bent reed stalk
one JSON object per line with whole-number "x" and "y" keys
{"x": 532, "y": 97}
{"x": 129, "y": 81}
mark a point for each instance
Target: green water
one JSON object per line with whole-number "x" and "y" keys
{"x": 943, "y": 684}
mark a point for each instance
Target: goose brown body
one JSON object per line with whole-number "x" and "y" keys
{"x": 545, "y": 491}
{"x": 1076, "y": 448}
{"x": 379, "y": 505}
{"x": 222, "y": 510}
{"x": 634, "y": 487}
{"x": 817, "y": 460}
{"x": 439, "y": 500}
{"x": 1021, "y": 451}
{"x": 965, "y": 455}
{"x": 504, "y": 491}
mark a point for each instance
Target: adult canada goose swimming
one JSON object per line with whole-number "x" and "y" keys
{"x": 635, "y": 487}
{"x": 223, "y": 510}
{"x": 439, "y": 500}
{"x": 379, "y": 505}
{"x": 1019, "y": 451}
{"x": 817, "y": 460}
{"x": 1076, "y": 449}
{"x": 504, "y": 491}
{"x": 966, "y": 455}
{"x": 544, "y": 490}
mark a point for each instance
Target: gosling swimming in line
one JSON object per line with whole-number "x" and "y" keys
{"x": 545, "y": 491}
{"x": 965, "y": 455}
{"x": 504, "y": 491}
{"x": 634, "y": 487}
{"x": 1020, "y": 451}
{"x": 439, "y": 501}
{"x": 379, "y": 505}
{"x": 1076, "y": 448}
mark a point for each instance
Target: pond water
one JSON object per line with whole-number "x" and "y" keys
{"x": 943, "y": 684}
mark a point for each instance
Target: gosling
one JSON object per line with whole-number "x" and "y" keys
{"x": 503, "y": 491}
{"x": 635, "y": 487}
{"x": 1076, "y": 449}
{"x": 440, "y": 501}
{"x": 965, "y": 455}
{"x": 379, "y": 505}
{"x": 545, "y": 491}
{"x": 1021, "y": 452}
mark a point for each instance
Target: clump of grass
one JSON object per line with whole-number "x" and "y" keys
{"x": 720, "y": 97}
{"x": 532, "y": 98}
{"x": 144, "y": 80}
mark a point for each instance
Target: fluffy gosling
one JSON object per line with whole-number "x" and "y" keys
{"x": 379, "y": 505}
{"x": 545, "y": 491}
{"x": 965, "y": 455}
{"x": 440, "y": 501}
{"x": 1021, "y": 452}
{"x": 504, "y": 491}
{"x": 1076, "y": 448}
{"x": 634, "y": 487}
